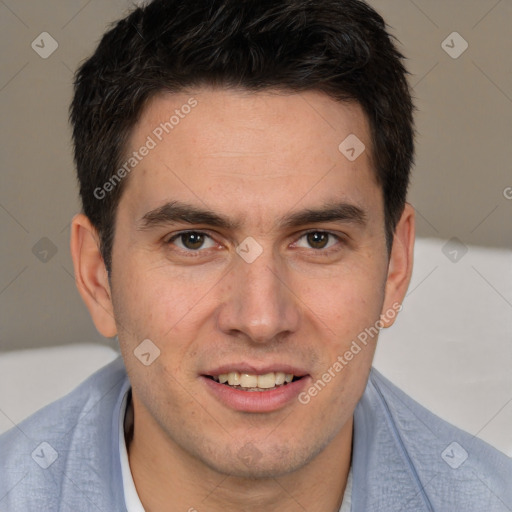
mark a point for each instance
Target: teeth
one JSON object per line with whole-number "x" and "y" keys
{"x": 233, "y": 378}
{"x": 248, "y": 380}
{"x": 266, "y": 381}
{"x": 280, "y": 378}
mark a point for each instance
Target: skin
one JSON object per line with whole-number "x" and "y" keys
{"x": 254, "y": 158}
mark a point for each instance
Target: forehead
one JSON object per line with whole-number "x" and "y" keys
{"x": 235, "y": 150}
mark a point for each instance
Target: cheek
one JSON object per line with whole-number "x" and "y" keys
{"x": 169, "y": 304}
{"x": 347, "y": 303}
{"x": 346, "y": 311}
{"x": 153, "y": 301}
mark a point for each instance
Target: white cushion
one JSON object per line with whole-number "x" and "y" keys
{"x": 31, "y": 379}
{"x": 450, "y": 348}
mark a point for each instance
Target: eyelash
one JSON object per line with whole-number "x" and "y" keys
{"x": 319, "y": 252}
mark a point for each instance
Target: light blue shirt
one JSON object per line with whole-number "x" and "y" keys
{"x": 66, "y": 457}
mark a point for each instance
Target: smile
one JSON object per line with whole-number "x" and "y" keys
{"x": 254, "y": 382}
{"x": 261, "y": 392}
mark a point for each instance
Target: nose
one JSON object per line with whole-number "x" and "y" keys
{"x": 258, "y": 304}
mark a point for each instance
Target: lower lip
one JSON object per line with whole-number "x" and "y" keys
{"x": 256, "y": 401}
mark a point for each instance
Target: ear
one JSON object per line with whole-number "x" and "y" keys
{"x": 91, "y": 275}
{"x": 400, "y": 266}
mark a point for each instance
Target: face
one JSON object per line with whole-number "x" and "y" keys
{"x": 247, "y": 242}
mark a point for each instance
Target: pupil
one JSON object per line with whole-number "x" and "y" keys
{"x": 317, "y": 240}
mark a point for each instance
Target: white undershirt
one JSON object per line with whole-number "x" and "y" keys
{"x": 346, "y": 504}
{"x": 131, "y": 497}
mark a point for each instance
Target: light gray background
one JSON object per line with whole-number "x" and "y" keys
{"x": 464, "y": 123}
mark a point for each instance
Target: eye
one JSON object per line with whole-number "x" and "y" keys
{"x": 192, "y": 240}
{"x": 318, "y": 240}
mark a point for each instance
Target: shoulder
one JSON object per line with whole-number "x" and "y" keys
{"x": 65, "y": 444}
{"x": 453, "y": 467}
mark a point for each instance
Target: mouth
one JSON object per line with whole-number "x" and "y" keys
{"x": 254, "y": 382}
{"x": 250, "y": 390}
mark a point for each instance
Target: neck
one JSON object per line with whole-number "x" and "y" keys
{"x": 164, "y": 474}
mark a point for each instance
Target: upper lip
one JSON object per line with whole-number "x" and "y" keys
{"x": 254, "y": 369}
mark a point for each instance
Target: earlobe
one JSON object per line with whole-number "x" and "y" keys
{"x": 91, "y": 275}
{"x": 400, "y": 266}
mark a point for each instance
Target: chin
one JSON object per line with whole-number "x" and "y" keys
{"x": 249, "y": 462}
{"x": 259, "y": 471}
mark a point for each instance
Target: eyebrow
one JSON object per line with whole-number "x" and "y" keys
{"x": 177, "y": 211}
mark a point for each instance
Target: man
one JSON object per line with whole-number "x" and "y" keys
{"x": 243, "y": 171}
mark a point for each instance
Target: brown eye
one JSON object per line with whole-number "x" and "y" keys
{"x": 322, "y": 242}
{"x": 191, "y": 240}
{"x": 318, "y": 239}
